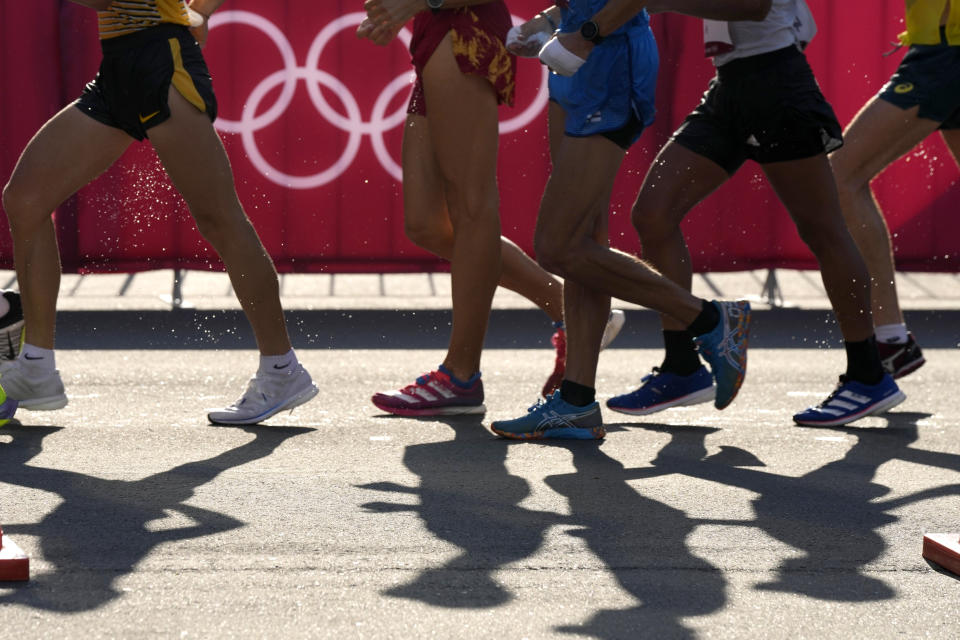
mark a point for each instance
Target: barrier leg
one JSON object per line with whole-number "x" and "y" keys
{"x": 14, "y": 563}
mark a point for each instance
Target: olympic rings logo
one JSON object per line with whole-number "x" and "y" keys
{"x": 352, "y": 122}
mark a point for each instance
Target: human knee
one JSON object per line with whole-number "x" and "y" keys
{"x": 652, "y": 223}
{"x": 428, "y": 236}
{"x": 554, "y": 254}
{"x": 19, "y": 204}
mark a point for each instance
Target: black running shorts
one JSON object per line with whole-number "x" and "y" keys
{"x": 131, "y": 88}
{"x": 928, "y": 77}
{"x": 766, "y": 108}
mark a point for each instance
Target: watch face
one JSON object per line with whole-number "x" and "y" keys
{"x": 435, "y": 4}
{"x": 589, "y": 30}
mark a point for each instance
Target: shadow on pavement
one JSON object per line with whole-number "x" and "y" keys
{"x": 99, "y": 533}
{"x": 831, "y": 515}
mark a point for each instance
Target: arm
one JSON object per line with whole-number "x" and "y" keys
{"x": 617, "y": 12}
{"x": 205, "y": 8}
{"x": 99, "y": 5}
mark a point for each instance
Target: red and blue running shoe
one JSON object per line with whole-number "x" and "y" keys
{"x": 434, "y": 394}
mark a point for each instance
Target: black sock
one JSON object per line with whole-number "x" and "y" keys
{"x": 681, "y": 353}
{"x": 577, "y": 394}
{"x": 863, "y": 361}
{"x": 706, "y": 321}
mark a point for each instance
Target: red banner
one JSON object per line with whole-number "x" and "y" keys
{"x": 312, "y": 119}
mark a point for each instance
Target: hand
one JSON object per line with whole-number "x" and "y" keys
{"x": 527, "y": 39}
{"x": 202, "y": 30}
{"x": 379, "y": 35}
{"x": 390, "y": 13}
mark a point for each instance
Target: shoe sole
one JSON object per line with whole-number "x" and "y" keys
{"x": 910, "y": 368}
{"x": 881, "y": 406}
{"x": 436, "y": 411}
{"x": 294, "y": 402}
{"x": 697, "y": 397}
{"x": 567, "y": 433}
{"x": 614, "y": 325}
{"x": 50, "y": 403}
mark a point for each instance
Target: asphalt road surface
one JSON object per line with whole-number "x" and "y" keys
{"x": 338, "y": 522}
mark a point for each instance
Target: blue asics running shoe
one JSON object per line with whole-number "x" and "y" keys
{"x": 851, "y": 401}
{"x": 725, "y": 349}
{"x": 661, "y": 390}
{"x": 554, "y": 418}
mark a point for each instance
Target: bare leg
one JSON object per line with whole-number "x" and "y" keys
{"x": 807, "y": 189}
{"x": 427, "y": 223}
{"x": 879, "y": 134}
{"x": 585, "y": 309}
{"x": 68, "y": 152}
{"x": 470, "y": 191}
{"x": 194, "y": 157}
{"x": 583, "y": 171}
{"x": 677, "y": 181}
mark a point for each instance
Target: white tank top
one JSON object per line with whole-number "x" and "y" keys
{"x": 788, "y": 23}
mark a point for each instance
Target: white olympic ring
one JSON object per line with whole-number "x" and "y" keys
{"x": 351, "y": 122}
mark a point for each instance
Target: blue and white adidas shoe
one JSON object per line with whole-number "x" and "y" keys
{"x": 554, "y": 418}
{"x": 851, "y": 401}
{"x": 661, "y": 390}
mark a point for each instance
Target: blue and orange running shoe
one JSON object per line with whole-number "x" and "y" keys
{"x": 434, "y": 394}
{"x": 725, "y": 349}
{"x": 852, "y": 400}
{"x": 661, "y": 390}
{"x": 554, "y": 418}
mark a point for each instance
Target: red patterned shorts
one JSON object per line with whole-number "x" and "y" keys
{"x": 479, "y": 34}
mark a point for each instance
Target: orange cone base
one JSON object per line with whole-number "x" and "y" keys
{"x": 14, "y": 563}
{"x": 943, "y": 549}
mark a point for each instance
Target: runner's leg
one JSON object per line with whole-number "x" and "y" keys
{"x": 68, "y": 152}
{"x": 193, "y": 155}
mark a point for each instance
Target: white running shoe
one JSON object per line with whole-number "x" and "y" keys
{"x": 612, "y": 330}
{"x": 35, "y": 394}
{"x": 268, "y": 394}
{"x": 11, "y": 327}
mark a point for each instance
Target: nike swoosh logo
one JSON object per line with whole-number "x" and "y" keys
{"x": 277, "y": 366}
{"x": 144, "y": 118}
{"x": 32, "y": 358}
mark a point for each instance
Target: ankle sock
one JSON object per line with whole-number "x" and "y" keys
{"x": 892, "y": 333}
{"x": 706, "y": 321}
{"x": 278, "y": 364}
{"x": 37, "y": 359}
{"x": 681, "y": 353}
{"x": 863, "y": 361}
{"x": 577, "y": 394}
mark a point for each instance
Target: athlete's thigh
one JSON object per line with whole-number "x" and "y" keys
{"x": 807, "y": 189}
{"x": 193, "y": 155}
{"x": 68, "y": 152}
{"x": 677, "y": 180}
{"x": 463, "y": 118}
{"x": 578, "y": 190}
{"x": 879, "y": 134}
{"x": 423, "y": 202}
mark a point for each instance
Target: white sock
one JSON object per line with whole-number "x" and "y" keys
{"x": 4, "y": 305}
{"x": 37, "y": 359}
{"x": 892, "y": 333}
{"x": 278, "y": 364}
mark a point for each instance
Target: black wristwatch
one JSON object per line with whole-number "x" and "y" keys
{"x": 435, "y": 5}
{"x": 589, "y": 31}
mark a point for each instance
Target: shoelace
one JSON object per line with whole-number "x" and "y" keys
{"x": 422, "y": 381}
{"x": 833, "y": 394}
{"x": 655, "y": 372}
{"x": 253, "y": 388}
